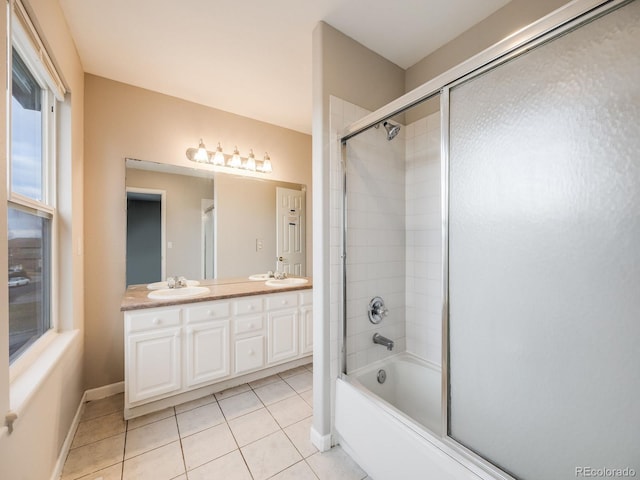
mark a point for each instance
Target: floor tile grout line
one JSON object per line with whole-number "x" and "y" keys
{"x": 152, "y": 422}
{"x": 311, "y": 468}
{"x": 291, "y": 439}
{"x": 234, "y": 436}
{"x": 199, "y": 406}
{"x": 280, "y": 428}
{"x": 237, "y": 444}
{"x": 124, "y": 447}
{"x": 156, "y": 447}
{"x": 299, "y": 461}
{"x": 95, "y": 441}
{"x": 85, "y": 420}
{"x": 184, "y": 460}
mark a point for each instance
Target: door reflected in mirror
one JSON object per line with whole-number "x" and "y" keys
{"x": 203, "y": 224}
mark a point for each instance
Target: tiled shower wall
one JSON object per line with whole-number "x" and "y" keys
{"x": 375, "y": 244}
{"x": 424, "y": 239}
{"x": 393, "y": 240}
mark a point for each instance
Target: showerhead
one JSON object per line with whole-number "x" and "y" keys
{"x": 392, "y": 130}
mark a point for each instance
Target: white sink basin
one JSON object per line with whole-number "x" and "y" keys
{"x": 161, "y": 285}
{"x": 286, "y": 282}
{"x": 260, "y": 277}
{"x": 177, "y": 293}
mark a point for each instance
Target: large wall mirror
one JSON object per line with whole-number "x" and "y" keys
{"x": 203, "y": 224}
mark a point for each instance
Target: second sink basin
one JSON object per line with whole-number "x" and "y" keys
{"x": 177, "y": 293}
{"x": 286, "y": 282}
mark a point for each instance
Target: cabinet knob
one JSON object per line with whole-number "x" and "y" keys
{"x": 210, "y": 313}
{"x": 284, "y": 302}
{"x": 250, "y": 325}
{"x": 250, "y": 307}
{"x": 251, "y": 352}
{"x": 157, "y": 321}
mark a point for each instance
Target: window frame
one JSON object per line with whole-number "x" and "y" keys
{"x": 29, "y": 48}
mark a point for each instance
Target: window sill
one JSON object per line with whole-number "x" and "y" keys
{"x": 27, "y": 383}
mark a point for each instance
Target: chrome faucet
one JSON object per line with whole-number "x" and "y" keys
{"x": 278, "y": 274}
{"x": 384, "y": 341}
{"x": 176, "y": 282}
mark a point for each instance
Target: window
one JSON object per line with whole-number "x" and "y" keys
{"x": 31, "y": 209}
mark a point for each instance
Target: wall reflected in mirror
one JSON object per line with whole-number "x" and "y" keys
{"x": 203, "y": 224}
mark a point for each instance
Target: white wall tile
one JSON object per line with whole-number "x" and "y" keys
{"x": 394, "y": 240}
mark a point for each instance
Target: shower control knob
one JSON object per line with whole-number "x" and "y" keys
{"x": 381, "y": 311}
{"x": 377, "y": 311}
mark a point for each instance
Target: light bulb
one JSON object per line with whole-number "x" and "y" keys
{"x": 236, "y": 161}
{"x": 250, "y": 164}
{"x": 266, "y": 163}
{"x": 201, "y": 155}
{"x": 218, "y": 158}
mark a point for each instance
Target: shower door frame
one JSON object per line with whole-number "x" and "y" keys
{"x": 561, "y": 21}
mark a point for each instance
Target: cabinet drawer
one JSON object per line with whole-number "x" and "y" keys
{"x": 207, "y": 312}
{"x": 166, "y": 317}
{"x": 249, "y": 354}
{"x": 285, "y": 300}
{"x": 248, "y": 305}
{"x": 306, "y": 297}
{"x": 248, "y": 323}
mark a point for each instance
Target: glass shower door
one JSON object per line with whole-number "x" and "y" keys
{"x": 544, "y": 256}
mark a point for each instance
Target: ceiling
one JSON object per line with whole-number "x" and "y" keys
{"x": 252, "y": 57}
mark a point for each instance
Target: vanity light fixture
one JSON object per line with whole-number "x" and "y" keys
{"x": 220, "y": 159}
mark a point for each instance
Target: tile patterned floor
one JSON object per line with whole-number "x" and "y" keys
{"x": 255, "y": 431}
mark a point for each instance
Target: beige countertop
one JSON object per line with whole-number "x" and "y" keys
{"x": 135, "y": 297}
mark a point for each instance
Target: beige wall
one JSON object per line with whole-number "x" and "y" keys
{"x": 31, "y": 451}
{"x": 353, "y": 72}
{"x": 126, "y": 121}
{"x": 514, "y": 16}
{"x": 343, "y": 68}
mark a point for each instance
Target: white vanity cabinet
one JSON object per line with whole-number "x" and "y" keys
{"x": 153, "y": 353}
{"x": 283, "y": 325}
{"x": 171, "y": 351}
{"x": 206, "y": 342}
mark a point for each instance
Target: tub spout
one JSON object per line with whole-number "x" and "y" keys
{"x": 384, "y": 341}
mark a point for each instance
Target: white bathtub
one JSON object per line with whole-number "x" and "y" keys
{"x": 412, "y": 386}
{"x": 392, "y": 429}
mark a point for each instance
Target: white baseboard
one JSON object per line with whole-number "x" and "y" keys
{"x": 104, "y": 392}
{"x": 66, "y": 446}
{"x": 87, "y": 396}
{"x": 321, "y": 442}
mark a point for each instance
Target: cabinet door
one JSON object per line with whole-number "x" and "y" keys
{"x": 249, "y": 354}
{"x": 207, "y": 346}
{"x": 154, "y": 364}
{"x": 306, "y": 327}
{"x": 283, "y": 335}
